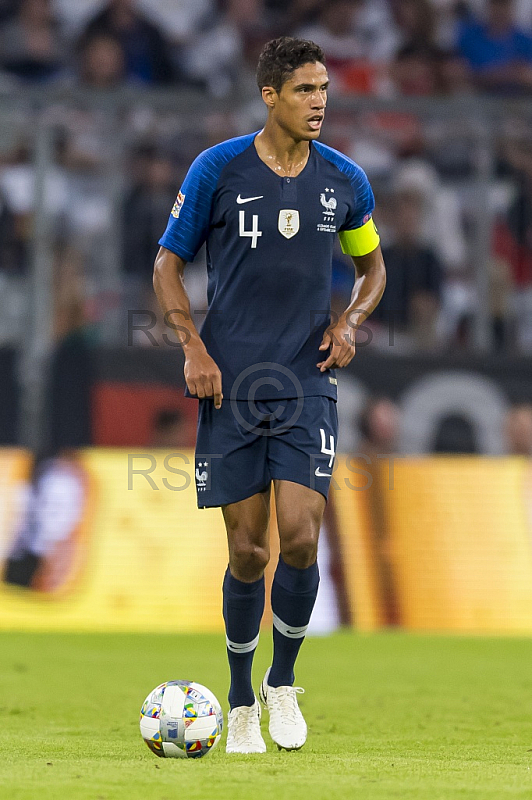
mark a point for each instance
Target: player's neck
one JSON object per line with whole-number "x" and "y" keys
{"x": 279, "y": 151}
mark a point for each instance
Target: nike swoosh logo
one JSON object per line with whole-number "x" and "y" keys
{"x": 241, "y": 200}
{"x": 319, "y": 474}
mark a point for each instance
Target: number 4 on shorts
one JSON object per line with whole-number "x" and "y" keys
{"x": 329, "y": 451}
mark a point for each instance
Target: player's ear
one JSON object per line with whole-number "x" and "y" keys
{"x": 269, "y": 95}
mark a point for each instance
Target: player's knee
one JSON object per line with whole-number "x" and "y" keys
{"x": 301, "y": 550}
{"x": 248, "y": 560}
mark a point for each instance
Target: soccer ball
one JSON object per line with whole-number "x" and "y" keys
{"x": 181, "y": 719}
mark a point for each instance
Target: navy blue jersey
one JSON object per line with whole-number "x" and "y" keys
{"x": 269, "y": 252}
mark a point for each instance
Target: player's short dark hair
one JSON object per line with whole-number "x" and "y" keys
{"x": 280, "y": 57}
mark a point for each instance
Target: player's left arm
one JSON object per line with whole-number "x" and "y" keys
{"x": 359, "y": 239}
{"x": 369, "y": 286}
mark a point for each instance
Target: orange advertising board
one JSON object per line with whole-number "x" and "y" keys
{"x": 460, "y": 543}
{"x": 107, "y": 539}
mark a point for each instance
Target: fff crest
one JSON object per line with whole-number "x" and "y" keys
{"x": 288, "y": 222}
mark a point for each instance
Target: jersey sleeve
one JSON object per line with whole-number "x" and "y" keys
{"x": 359, "y": 235}
{"x": 188, "y": 225}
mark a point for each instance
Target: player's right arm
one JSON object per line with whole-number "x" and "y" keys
{"x": 187, "y": 229}
{"x": 202, "y": 375}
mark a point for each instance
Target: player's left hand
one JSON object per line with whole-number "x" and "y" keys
{"x": 341, "y": 339}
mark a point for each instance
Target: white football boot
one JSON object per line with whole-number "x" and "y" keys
{"x": 243, "y": 730}
{"x": 287, "y": 726}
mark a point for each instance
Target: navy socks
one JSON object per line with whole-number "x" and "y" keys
{"x": 294, "y": 593}
{"x": 293, "y": 596}
{"x": 243, "y": 606}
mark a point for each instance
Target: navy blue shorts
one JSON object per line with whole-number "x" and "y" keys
{"x": 243, "y": 446}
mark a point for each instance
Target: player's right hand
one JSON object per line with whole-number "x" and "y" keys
{"x": 203, "y": 377}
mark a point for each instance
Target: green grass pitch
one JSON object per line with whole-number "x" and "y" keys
{"x": 390, "y": 716}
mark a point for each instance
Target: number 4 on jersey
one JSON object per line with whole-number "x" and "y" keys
{"x": 254, "y": 233}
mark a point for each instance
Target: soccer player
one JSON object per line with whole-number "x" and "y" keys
{"x": 269, "y": 205}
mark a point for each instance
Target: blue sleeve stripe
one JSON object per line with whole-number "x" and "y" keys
{"x": 363, "y": 199}
{"x": 185, "y": 234}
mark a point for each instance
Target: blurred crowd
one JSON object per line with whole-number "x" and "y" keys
{"x": 373, "y": 431}
{"x": 372, "y": 46}
{"x": 113, "y": 177}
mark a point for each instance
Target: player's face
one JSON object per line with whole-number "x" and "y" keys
{"x": 300, "y": 105}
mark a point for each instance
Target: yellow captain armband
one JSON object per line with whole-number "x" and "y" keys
{"x": 360, "y": 241}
